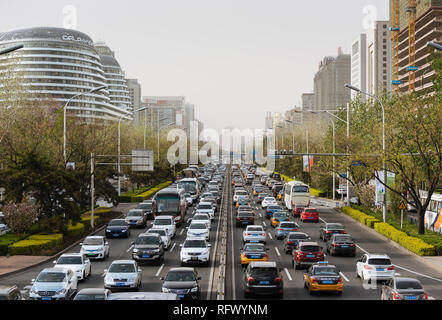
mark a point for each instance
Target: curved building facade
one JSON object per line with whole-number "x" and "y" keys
{"x": 59, "y": 64}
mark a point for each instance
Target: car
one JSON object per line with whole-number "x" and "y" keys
{"x": 242, "y": 201}
{"x": 199, "y": 228}
{"x": 244, "y": 218}
{"x": 182, "y": 281}
{"x": 136, "y": 218}
{"x": 93, "y": 294}
{"x": 77, "y": 262}
{"x": 284, "y": 227}
{"x": 167, "y": 223}
{"x": 307, "y": 253}
{"x": 202, "y": 217}
{"x": 254, "y": 233}
{"x": 323, "y": 277}
{"x": 341, "y": 244}
{"x": 270, "y": 210}
{"x": 239, "y": 193}
{"x": 261, "y": 197}
{"x": 117, "y": 228}
{"x": 206, "y": 207}
{"x": 147, "y": 208}
{"x": 189, "y": 199}
{"x": 10, "y": 292}
{"x": 325, "y": 232}
{"x": 148, "y": 247}
{"x": 253, "y": 252}
{"x": 212, "y": 200}
{"x": 377, "y": 267}
{"x": 164, "y": 236}
{"x": 257, "y": 189}
{"x": 277, "y": 217}
{"x": 95, "y": 247}
{"x": 293, "y": 238}
{"x": 245, "y": 208}
{"x": 297, "y": 210}
{"x": 280, "y": 195}
{"x": 217, "y": 195}
{"x": 54, "y": 284}
{"x": 401, "y": 288}
{"x": 309, "y": 214}
{"x": 263, "y": 278}
{"x": 276, "y": 188}
{"x": 195, "y": 250}
{"x": 268, "y": 201}
{"x": 123, "y": 275}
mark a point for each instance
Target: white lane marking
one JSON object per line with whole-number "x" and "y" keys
{"x": 288, "y": 274}
{"x": 343, "y": 276}
{"x": 419, "y": 274}
{"x": 171, "y": 249}
{"x": 270, "y": 236}
{"x": 159, "y": 270}
{"x": 277, "y": 251}
{"x": 260, "y": 215}
{"x": 264, "y": 223}
{"x": 181, "y": 231}
{"x": 322, "y": 220}
{"x": 130, "y": 248}
{"x": 431, "y": 298}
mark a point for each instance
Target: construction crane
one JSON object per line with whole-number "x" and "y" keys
{"x": 395, "y": 28}
{"x": 412, "y": 68}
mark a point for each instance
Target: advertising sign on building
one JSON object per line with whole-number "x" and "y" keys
{"x": 380, "y": 188}
{"x": 307, "y": 163}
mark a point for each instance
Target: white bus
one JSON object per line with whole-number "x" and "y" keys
{"x": 433, "y": 214}
{"x": 296, "y": 193}
{"x": 190, "y": 185}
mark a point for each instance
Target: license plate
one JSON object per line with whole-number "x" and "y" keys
{"x": 181, "y": 296}
{"x": 119, "y": 284}
{"x": 410, "y": 297}
{"x": 146, "y": 256}
{"x": 46, "y": 298}
{"x": 264, "y": 282}
{"x": 244, "y": 222}
{"x": 255, "y": 257}
{"x": 311, "y": 217}
{"x": 327, "y": 282}
{"x": 254, "y": 241}
{"x": 194, "y": 258}
{"x": 91, "y": 254}
{"x": 310, "y": 256}
{"x": 344, "y": 246}
{"x": 255, "y": 235}
{"x": 116, "y": 235}
{"x": 379, "y": 269}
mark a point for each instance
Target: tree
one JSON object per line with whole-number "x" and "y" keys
{"x": 20, "y": 216}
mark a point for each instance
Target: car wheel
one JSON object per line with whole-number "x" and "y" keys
{"x": 339, "y": 293}
{"x": 247, "y": 295}
{"x": 84, "y": 275}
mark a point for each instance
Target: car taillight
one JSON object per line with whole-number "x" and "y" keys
{"x": 314, "y": 280}
{"x": 279, "y": 279}
{"x": 262, "y": 234}
{"x": 247, "y": 234}
{"x": 340, "y": 280}
{"x": 425, "y": 296}
{"x": 390, "y": 268}
{"x": 366, "y": 267}
{"x": 243, "y": 255}
{"x": 352, "y": 245}
{"x": 396, "y": 296}
{"x": 266, "y": 256}
{"x": 250, "y": 279}
{"x": 289, "y": 242}
{"x": 335, "y": 245}
{"x": 238, "y": 219}
{"x": 328, "y": 232}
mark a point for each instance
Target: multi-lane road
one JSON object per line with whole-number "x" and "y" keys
{"x": 406, "y": 264}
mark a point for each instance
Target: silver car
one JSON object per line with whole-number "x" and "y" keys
{"x": 122, "y": 275}
{"x": 54, "y": 284}
{"x": 254, "y": 233}
{"x": 136, "y": 218}
{"x": 164, "y": 236}
{"x": 400, "y": 288}
{"x": 199, "y": 229}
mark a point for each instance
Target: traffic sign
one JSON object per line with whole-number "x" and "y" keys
{"x": 402, "y": 206}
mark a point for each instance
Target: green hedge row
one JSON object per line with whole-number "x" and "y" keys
{"x": 55, "y": 239}
{"x": 76, "y": 230}
{"x": 148, "y": 194}
{"x": 34, "y": 245}
{"x": 413, "y": 244}
{"x": 6, "y": 240}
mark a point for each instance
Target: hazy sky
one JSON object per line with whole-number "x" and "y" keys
{"x": 233, "y": 59}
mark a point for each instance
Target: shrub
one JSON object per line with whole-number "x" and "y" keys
{"x": 56, "y": 239}
{"x": 76, "y": 230}
{"x": 86, "y": 221}
{"x": 146, "y": 195}
{"x": 6, "y": 240}
{"x": 30, "y": 247}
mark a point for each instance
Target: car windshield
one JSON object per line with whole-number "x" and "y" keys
{"x": 335, "y": 226}
{"x": 196, "y": 226}
{"x": 195, "y": 244}
{"x": 245, "y": 214}
{"x": 90, "y": 297}
{"x": 299, "y": 236}
{"x": 408, "y": 285}
{"x": 269, "y": 199}
{"x": 344, "y": 239}
{"x": 381, "y": 261}
{"x": 310, "y": 248}
{"x": 253, "y": 248}
{"x": 200, "y": 217}
{"x": 69, "y": 260}
{"x": 245, "y": 208}
{"x": 241, "y": 193}
{"x": 264, "y": 272}
{"x": 180, "y": 276}
{"x": 274, "y": 207}
{"x": 254, "y": 229}
{"x": 93, "y": 242}
{"x": 51, "y": 277}
{"x": 311, "y": 210}
{"x": 300, "y": 189}
{"x": 134, "y": 213}
{"x": 162, "y": 222}
{"x": 204, "y": 207}
{"x": 145, "y": 206}
{"x": 117, "y": 223}
{"x": 279, "y": 215}
{"x": 122, "y": 268}
{"x": 326, "y": 271}
{"x": 147, "y": 240}
{"x": 287, "y": 225}
{"x": 157, "y": 231}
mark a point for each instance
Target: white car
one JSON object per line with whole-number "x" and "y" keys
{"x": 166, "y": 223}
{"x": 375, "y": 267}
{"x": 195, "y": 250}
{"x": 199, "y": 229}
{"x": 202, "y": 217}
{"x": 164, "y": 236}
{"x": 123, "y": 274}
{"x": 239, "y": 193}
{"x": 3, "y": 226}
{"x": 254, "y": 233}
{"x": 206, "y": 207}
{"x": 54, "y": 284}
{"x": 189, "y": 199}
{"x": 268, "y": 201}
{"x": 95, "y": 247}
{"x": 77, "y": 262}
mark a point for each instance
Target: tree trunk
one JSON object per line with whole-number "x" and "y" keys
{"x": 421, "y": 215}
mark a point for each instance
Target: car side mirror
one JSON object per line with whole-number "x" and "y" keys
{"x": 181, "y": 245}
{"x": 139, "y": 270}
{"x": 106, "y": 243}
{"x": 54, "y": 262}
{"x": 32, "y": 281}
{"x": 209, "y": 245}
{"x": 199, "y": 278}
{"x": 105, "y": 271}
{"x": 81, "y": 244}
{"x": 162, "y": 278}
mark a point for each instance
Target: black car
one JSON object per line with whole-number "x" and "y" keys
{"x": 341, "y": 244}
{"x": 325, "y": 232}
{"x": 117, "y": 228}
{"x": 148, "y": 247}
{"x": 292, "y": 239}
{"x": 263, "y": 278}
{"x": 183, "y": 281}
{"x": 245, "y": 218}
{"x": 147, "y": 209}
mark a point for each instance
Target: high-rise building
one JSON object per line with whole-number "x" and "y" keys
{"x": 115, "y": 78}
{"x": 164, "y": 110}
{"x": 428, "y": 26}
{"x": 308, "y": 100}
{"x": 329, "y": 82}
{"x": 269, "y": 121}
{"x": 134, "y": 89}
{"x": 58, "y": 64}
{"x": 359, "y": 65}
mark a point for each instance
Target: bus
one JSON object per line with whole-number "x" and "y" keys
{"x": 433, "y": 214}
{"x": 170, "y": 202}
{"x": 296, "y": 193}
{"x": 190, "y": 173}
{"x": 190, "y": 185}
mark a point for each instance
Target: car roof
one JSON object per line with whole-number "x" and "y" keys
{"x": 399, "y": 279}
{"x": 182, "y": 269}
{"x": 57, "y": 269}
{"x": 74, "y": 254}
{"x": 142, "y": 296}
{"x": 377, "y": 255}
{"x": 262, "y": 264}
{"x": 163, "y": 217}
{"x": 123, "y": 261}
{"x": 95, "y": 237}
{"x": 149, "y": 234}
{"x": 92, "y": 291}
{"x": 309, "y": 243}
{"x": 195, "y": 238}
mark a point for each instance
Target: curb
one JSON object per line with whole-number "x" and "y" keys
{"x": 54, "y": 256}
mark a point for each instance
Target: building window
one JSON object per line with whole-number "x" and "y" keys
{"x": 384, "y": 26}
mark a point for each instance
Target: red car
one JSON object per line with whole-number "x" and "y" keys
{"x": 297, "y": 210}
{"x": 310, "y": 214}
{"x": 306, "y": 254}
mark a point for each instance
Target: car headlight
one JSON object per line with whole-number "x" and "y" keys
{"x": 135, "y": 250}
{"x": 194, "y": 289}
{"x": 156, "y": 250}
{"x": 166, "y": 290}
{"x": 124, "y": 230}
{"x": 33, "y": 291}
{"x": 108, "y": 230}
{"x": 62, "y": 291}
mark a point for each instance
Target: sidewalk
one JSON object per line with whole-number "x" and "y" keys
{"x": 14, "y": 264}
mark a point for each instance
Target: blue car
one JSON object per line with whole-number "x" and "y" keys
{"x": 117, "y": 228}
{"x": 270, "y": 210}
{"x": 284, "y": 228}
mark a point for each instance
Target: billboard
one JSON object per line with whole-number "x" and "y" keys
{"x": 142, "y": 160}
{"x": 307, "y": 163}
{"x": 380, "y": 188}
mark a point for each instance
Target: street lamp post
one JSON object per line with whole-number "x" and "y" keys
{"x": 64, "y": 114}
{"x": 434, "y": 45}
{"x": 384, "y": 207}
